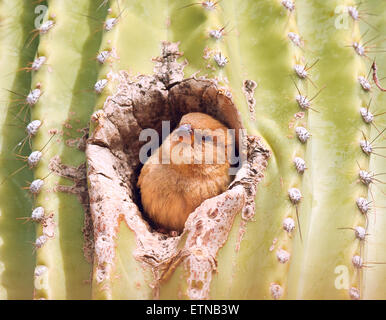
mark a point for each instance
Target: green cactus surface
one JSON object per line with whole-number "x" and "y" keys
{"x": 300, "y": 81}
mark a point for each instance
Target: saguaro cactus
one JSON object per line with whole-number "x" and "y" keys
{"x": 299, "y": 81}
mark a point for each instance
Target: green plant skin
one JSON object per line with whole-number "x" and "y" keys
{"x": 70, "y": 47}
{"x": 258, "y": 49}
{"x": 123, "y": 38}
{"x": 334, "y": 152}
{"x": 16, "y": 257}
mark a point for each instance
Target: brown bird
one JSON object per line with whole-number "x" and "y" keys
{"x": 189, "y": 167}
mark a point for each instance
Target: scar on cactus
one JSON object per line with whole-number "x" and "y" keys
{"x": 79, "y": 188}
{"x": 144, "y": 102}
{"x": 375, "y": 77}
{"x": 249, "y": 87}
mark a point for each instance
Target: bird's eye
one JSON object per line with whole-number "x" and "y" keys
{"x": 207, "y": 138}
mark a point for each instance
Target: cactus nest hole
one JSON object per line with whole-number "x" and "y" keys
{"x": 112, "y": 152}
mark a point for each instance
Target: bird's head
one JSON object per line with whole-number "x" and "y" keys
{"x": 199, "y": 142}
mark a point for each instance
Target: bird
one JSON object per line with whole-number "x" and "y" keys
{"x": 191, "y": 165}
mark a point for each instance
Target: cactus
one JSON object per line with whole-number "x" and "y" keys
{"x": 300, "y": 81}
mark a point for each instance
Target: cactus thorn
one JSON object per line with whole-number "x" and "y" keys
{"x": 375, "y": 77}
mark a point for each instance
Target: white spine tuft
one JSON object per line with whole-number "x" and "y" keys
{"x": 300, "y": 165}
{"x": 216, "y": 34}
{"x": 353, "y": 12}
{"x": 34, "y": 158}
{"x": 36, "y": 186}
{"x": 303, "y": 134}
{"x": 365, "y": 177}
{"x": 37, "y": 214}
{"x": 363, "y": 205}
{"x": 295, "y": 195}
{"x": 288, "y": 224}
{"x": 38, "y": 62}
{"x": 295, "y": 38}
{"x": 40, "y": 270}
{"x": 220, "y": 60}
{"x": 110, "y": 23}
{"x": 364, "y": 83}
{"x": 366, "y": 147}
{"x": 100, "y": 85}
{"x": 33, "y": 97}
{"x": 40, "y": 241}
{"x": 288, "y": 4}
{"x": 209, "y": 5}
{"x": 359, "y": 49}
{"x": 357, "y": 261}
{"x": 33, "y": 127}
{"x": 354, "y": 293}
{"x": 367, "y": 116}
{"x": 303, "y": 102}
{"x": 276, "y": 291}
{"x": 300, "y": 71}
{"x": 46, "y": 26}
{"x": 102, "y": 56}
{"x": 360, "y": 233}
{"x": 282, "y": 256}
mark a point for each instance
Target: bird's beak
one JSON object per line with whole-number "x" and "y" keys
{"x": 185, "y": 133}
